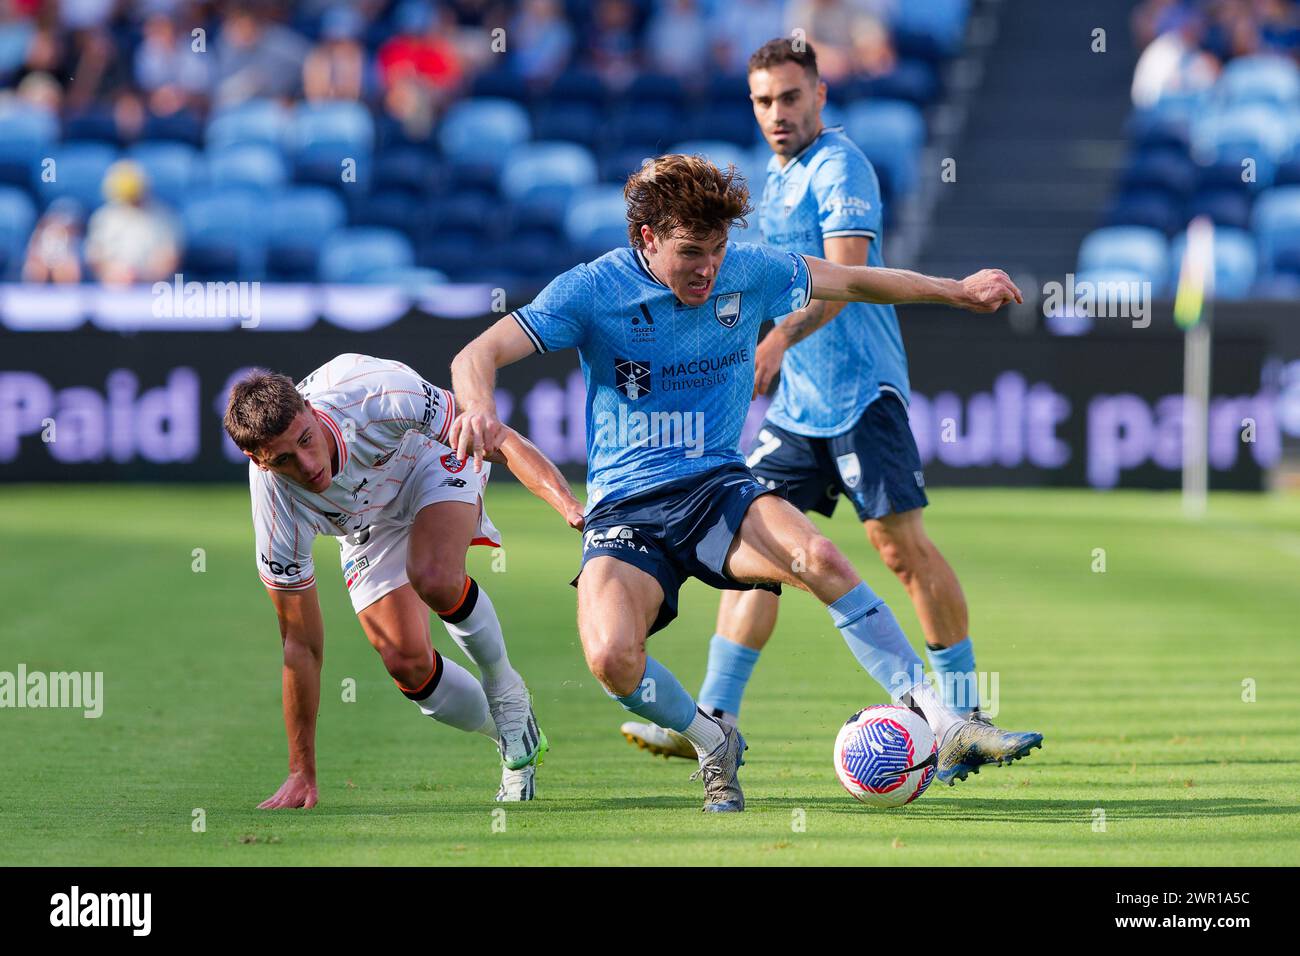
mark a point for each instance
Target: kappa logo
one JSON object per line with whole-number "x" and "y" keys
{"x": 850, "y": 470}
{"x": 631, "y": 377}
{"x": 451, "y": 462}
{"x": 726, "y": 309}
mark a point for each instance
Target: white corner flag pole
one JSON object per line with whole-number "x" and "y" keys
{"x": 1193, "y": 310}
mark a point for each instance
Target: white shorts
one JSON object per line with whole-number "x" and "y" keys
{"x": 374, "y": 560}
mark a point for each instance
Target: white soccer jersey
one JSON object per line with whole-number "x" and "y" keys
{"x": 386, "y": 419}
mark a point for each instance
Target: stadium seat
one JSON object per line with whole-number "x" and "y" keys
{"x": 345, "y": 126}
{"x": 469, "y": 211}
{"x": 1165, "y": 170}
{"x": 651, "y": 127}
{"x": 298, "y": 220}
{"x": 1235, "y": 262}
{"x": 537, "y": 254}
{"x": 1154, "y": 209}
{"x": 174, "y": 169}
{"x": 1131, "y": 248}
{"x": 94, "y": 124}
{"x": 1275, "y": 221}
{"x": 733, "y": 122}
{"x": 932, "y": 29}
{"x": 913, "y": 80}
{"x": 574, "y": 122}
{"x": 891, "y": 133}
{"x": 225, "y": 234}
{"x": 540, "y": 178}
{"x": 390, "y": 208}
{"x": 1227, "y": 207}
{"x": 647, "y": 88}
{"x": 498, "y": 84}
{"x": 182, "y": 126}
{"x": 26, "y": 135}
{"x": 455, "y": 252}
{"x": 483, "y": 131}
{"x": 255, "y": 121}
{"x": 17, "y": 217}
{"x": 1264, "y": 78}
{"x": 578, "y": 85}
{"x": 78, "y": 172}
{"x": 617, "y": 164}
{"x": 410, "y": 168}
{"x": 1258, "y": 132}
{"x": 255, "y": 165}
{"x": 356, "y": 254}
{"x": 596, "y": 221}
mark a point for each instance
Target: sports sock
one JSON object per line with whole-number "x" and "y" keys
{"x": 661, "y": 699}
{"x": 955, "y": 666}
{"x": 876, "y": 640}
{"x": 452, "y": 696}
{"x": 730, "y": 666}
{"x": 704, "y": 733}
{"x": 473, "y": 624}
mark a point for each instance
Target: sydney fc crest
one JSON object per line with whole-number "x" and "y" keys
{"x": 631, "y": 377}
{"x": 726, "y": 309}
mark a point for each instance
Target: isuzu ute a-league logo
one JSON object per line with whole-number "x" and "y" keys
{"x": 726, "y": 308}
{"x": 631, "y": 377}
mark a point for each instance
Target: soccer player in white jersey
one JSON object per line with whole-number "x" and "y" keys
{"x": 838, "y": 426}
{"x": 358, "y": 450}
{"x": 665, "y": 329}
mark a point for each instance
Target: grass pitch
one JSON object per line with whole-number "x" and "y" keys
{"x": 1140, "y": 677}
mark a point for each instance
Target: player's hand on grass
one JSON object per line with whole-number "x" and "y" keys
{"x": 297, "y": 792}
{"x": 988, "y": 290}
{"x": 767, "y": 362}
{"x": 477, "y": 433}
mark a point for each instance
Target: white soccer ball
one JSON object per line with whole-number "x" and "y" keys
{"x": 886, "y": 755}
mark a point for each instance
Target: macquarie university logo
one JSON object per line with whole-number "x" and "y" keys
{"x": 726, "y": 309}
{"x": 631, "y": 377}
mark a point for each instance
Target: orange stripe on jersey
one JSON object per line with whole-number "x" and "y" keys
{"x": 461, "y": 600}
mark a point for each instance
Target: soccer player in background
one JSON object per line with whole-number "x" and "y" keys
{"x": 838, "y": 424}
{"x": 665, "y": 329}
{"x": 358, "y": 450}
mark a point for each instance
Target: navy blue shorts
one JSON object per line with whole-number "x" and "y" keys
{"x": 678, "y": 530}
{"x": 875, "y": 463}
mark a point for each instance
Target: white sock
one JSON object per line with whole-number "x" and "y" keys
{"x": 704, "y": 732}
{"x": 456, "y": 699}
{"x": 937, "y": 714}
{"x": 478, "y": 632}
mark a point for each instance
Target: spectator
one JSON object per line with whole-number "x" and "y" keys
{"x": 168, "y": 71}
{"x": 335, "y": 67}
{"x": 54, "y": 251}
{"x": 1173, "y": 62}
{"x": 848, "y": 40}
{"x": 421, "y": 52}
{"x": 129, "y": 239}
{"x": 613, "y": 49}
{"x": 677, "y": 42}
{"x": 541, "y": 41}
{"x": 741, "y": 27}
{"x": 256, "y": 58}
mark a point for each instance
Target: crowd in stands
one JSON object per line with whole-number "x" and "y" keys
{"x": 1215, "y": 132}
{"x": 473, "y": 139}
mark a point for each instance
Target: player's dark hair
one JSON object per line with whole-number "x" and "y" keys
{"x": 686, "y": 193}
{"x": 783, "y": 50}
{"x": 262, "y": 405}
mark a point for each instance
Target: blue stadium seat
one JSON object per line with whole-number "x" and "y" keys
{"x": 93, "y": 124}
{"x": 255, "y": 165}
{"x": 356, "y": 254}
{"x": 478, "y": 213}
{"x": 225, "y": 235}
{"x": 913, "y": 80}
{"x": 651, "y": 127}
{"x": 1155, "y": 209}
{"x": 455, "y": 252}
{"x": 498, "y": 84}
{"x": 537, "y": 254}
{"x": 26, "y": 135}
{"x": 1258, "y": 132}
{"x": 1133, "y": 248}
{"x": 932, "y": 29}
{"x": 17, "y": 217}
{"x": 1227, "y": 207}
{"x": 596, "y": 221}
{"x": 483, "y": 131}
{"x": 1235, "y": 262}
{"x": 391, "y": 209}
{"x": 578, "y": 84}
{"x": 79, "y": 172}
{"x": 1231, "y": 175}
{"x": 574, "y": 122}
{"x": 540, "y": 178}
{"x": 647, "y": 88}
{"x": 183, "y": 126}
{"x": 410, "y": 168}
{"x": 174, "y": 169}
{"x": 618, "y": 164}
{"x": 1165, "y": 170}
{"x": 1264, "y": 78}
{"x": 733, "y": 122}
{"x": 254, "y": 121}
{"x": 1275, "y": 222}
{"x": 1149, "y": 129}
{"x": 343, "y": 125}
{"x": 891, "y": 133}
{"x": 298, "y": 220}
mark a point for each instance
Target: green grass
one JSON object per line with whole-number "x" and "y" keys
{"x": 1133, "y": 675}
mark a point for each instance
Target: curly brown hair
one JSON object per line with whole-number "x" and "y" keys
{"x": 262, "y": 405}
{"x": 687, "y": 193}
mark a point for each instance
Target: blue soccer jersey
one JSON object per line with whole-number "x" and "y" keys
{"x": 827, "y": 380}
{"x": 668, "y": 384}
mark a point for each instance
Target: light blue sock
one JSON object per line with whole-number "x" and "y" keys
{"x": 660, "y": 698}
{"x": 730, "y": 665}
{"x": 956, "y": 667}
{"x": 876, "y": 640}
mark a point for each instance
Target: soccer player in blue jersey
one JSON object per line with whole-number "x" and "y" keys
{"x": 665, "y": 330}
{"x": 838, "y": 424}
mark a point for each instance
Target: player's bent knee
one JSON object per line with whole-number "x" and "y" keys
{"x": 410, "y": 667}
{"x": 439, "y": 587}
{"x": 616, "y": 665}
{"x": 822, "y": 560}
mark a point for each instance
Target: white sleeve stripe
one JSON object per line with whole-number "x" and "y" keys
{"x": 532, "y": 336}
{"x": 808, "y": 286}
{"x": 869, "y": 233}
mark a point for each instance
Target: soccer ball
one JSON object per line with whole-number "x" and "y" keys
{"x": 886, "y": 755}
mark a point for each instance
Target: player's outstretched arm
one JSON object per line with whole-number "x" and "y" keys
{"x": 477, "y": 430}
{"x": 538, "y": 474}
{"x": 302, "y": 632}
{"x": 985, "y": 291}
